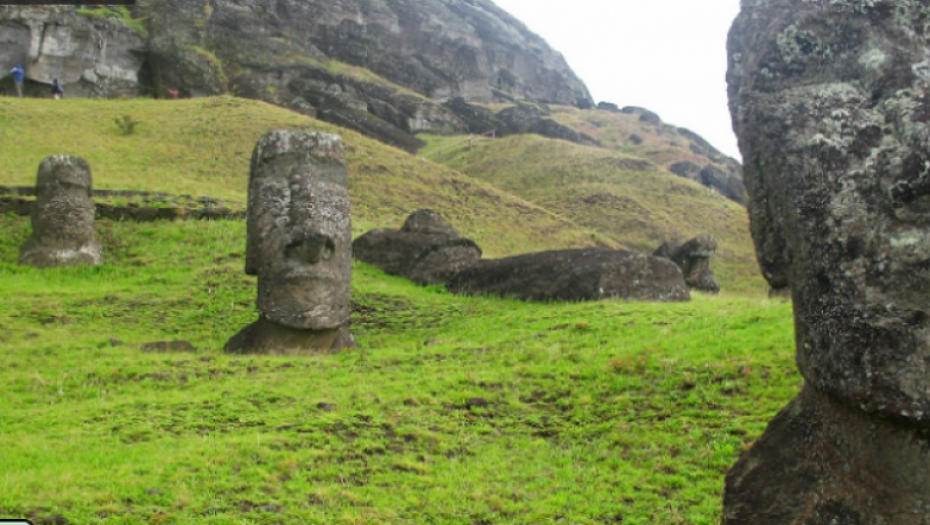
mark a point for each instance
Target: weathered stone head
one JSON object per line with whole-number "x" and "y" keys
{"x": 693, "y": 257}
{"x": 299, "y": 235}
{"x": 63, "y": 216}
{"x": 429, "y": 222}
{"x": 831, "y": 103}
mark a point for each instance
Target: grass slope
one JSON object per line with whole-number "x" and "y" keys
{"x": 662, "y": 144}
{"x": 453, "y": 410}
{"x": 612, "y": 193}
{"x": 203, "y": 146}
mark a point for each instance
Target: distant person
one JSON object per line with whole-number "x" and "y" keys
{"x": 57, "y": 90}
{"x": 19, "y": 76}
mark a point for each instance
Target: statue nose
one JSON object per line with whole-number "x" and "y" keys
{"x": 311, "y": 248}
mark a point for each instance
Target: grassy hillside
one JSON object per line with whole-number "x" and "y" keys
{"x": 662, "y": 144}
{"x": 623, "y": 197}
{"x": 454, "y": 410}
{"x": 203, "y": 146}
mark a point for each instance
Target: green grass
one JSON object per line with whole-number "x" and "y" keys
{"x": 605, "y": 191}
{"x": 202, "y": 147}
{"x": 453, "y": 410}
{"x": 609, "y": 412}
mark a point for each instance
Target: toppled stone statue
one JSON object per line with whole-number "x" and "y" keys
{"x": 587, "y": 274}
{"x": 63, "y": 216}
{"x": 693, "y": 257}
{"x": 299, "y": 245}
{"x": 425, "y": 250}
{"x": 831, "y": 102}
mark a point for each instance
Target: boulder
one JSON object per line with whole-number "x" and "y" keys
{"x": 829, "y": 99}
{"x": 425, "y": 250}
{"x": 298, "y": 244}
{"x": 588, "y": 274}
{"x": 608, "y": 106}
{"x": 693, "y": 257}
{"x": 687, "y": 170}
{"x": 62, "y": 216}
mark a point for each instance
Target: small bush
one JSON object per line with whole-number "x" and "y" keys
{"x": 126, "y": 124}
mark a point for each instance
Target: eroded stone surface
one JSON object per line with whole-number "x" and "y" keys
{"x": 588, "y": 274}
{"x": 425, "y": 250}
{"x": 693, "y": 257}
{"x": 62, "y": 216}
{"x": 299, "y": 235}
{"x": 830, "y": 101}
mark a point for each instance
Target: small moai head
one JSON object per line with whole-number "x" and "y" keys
{"x": 62, "y": 216}
{"x": 429, "y": 222}
{"x": 831, "y": 103}
{"x": 299, "y": 231}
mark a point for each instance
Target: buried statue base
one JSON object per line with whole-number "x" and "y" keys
{"x": 822, "y": 462}
{"x": 267, "y": 337}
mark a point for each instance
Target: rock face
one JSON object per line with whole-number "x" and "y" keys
{"x": 298, "y": 244}
{"x": 693, "y": 257}
{"x": 830, "y": 100}
{"x": 425, "y": 51}
{"x": 575, "y": 275}
{"x": 62, "y": 216}
{"x": 425, "y": 250}
{"x": 89, "y": 56}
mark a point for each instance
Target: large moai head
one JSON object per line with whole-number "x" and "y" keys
{"x": 62, "y": 216}
{"x": 299, "y": 231}
{"x": 831, "y": 103}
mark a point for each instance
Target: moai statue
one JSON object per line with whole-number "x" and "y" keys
{"x": 831, "y": 103}
{"x": 299, "y": 245}
{"x": 693, "y": 257}
{"x": 62, "y": 216}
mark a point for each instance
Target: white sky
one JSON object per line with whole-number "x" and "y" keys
{"x": 668, "y": 56}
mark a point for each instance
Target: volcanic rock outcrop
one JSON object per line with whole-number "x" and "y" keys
{"x": 693, "y": 257}
{"x": 299, "y": 245}
{"x": 306, "y": 55}
{"x": 425, "y": 250}
{"x": 588, "y": 274}
{"x": 89, "y": 56}
{"x": 831, "y": 102}
{"x": 62, "y": 216}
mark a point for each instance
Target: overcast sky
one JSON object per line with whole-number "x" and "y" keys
{"x": 668, "y": 56}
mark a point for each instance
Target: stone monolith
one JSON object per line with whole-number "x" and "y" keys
{"x": 299, "y": 244}
{"x": 830, "y": 100}
{"x": 62, "y": 216}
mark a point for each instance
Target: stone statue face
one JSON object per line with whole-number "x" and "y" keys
{"x": 299, "y": 231}
{"x": 64, "y": 203}
{"x": 833, "y": 126}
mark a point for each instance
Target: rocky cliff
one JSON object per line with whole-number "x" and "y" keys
{"x": 90, "y": 55}
{"x": 379, "y": 66}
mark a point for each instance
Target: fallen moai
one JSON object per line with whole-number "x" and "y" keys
{"x": 425, "y": 250}
{"x": 831, "y": 103}
{"x": 299, "y": 245}
{"x": 693, "y": 257}
{"x": 62, "y": 216}
{"x": 586, "y": 274}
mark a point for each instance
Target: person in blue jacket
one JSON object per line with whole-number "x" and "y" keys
{"x": 57, "y": 90}
{"x": 18, "y": 77}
